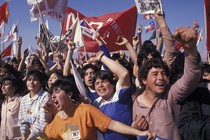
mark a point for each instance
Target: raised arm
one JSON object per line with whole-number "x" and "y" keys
{"x": 121, "y": 72}
{"x": 67, "y": 64}
{"x": 22, "y": 62}
{"x": 19, "y": 45}
{"x": 186, "y": 37}
{"x": 170, "y": 50}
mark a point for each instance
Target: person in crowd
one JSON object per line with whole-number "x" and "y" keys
{"x": 194, "y": 119}
{"x": 159, "y": 102}
{"x": 32, "y": 116}
{"x": 76, "y": 120}
{"x": 10, "y": 108}
{"x": 114, "y": 96}
{"x": 87, "y": 73}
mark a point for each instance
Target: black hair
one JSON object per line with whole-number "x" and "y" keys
{"x": 39, "y": 74}
{"x": 152, "y": 63}
{"x": 104, "y": 74}
{"x": 88, "y": 66}
{"x": 67, "y": 86}
{"x": 15, "y": 83}
{"x": 148, "y": 44}
{"x": 10, "y": 70}
{"x": 144, "y": 52}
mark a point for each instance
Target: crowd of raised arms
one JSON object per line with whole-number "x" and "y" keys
{"x": 108, "y": 96}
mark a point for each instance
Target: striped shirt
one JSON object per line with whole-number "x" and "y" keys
{"x": 32, "y": 116}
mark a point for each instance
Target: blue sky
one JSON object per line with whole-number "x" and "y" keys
{"x": 178, "y": 13}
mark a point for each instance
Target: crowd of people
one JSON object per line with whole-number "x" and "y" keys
{"x": 109, "y": 96}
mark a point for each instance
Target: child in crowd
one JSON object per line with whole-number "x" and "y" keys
{"x": 32, "y": 116}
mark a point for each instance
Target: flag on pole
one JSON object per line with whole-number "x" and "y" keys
{"x": 7, "y": 51}
{"x": 42, "y": 33}
{"x": 13, "y": 34}
{"x": 150, "y": 27}
{"x": 31, "y": 2}
{"x": 55, "y": 9}
{"x": 1, "y": 30}
{"x": 110, "y": 26}
{"x": 4, "y": 13}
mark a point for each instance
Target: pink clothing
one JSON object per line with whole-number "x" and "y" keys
{"x": 9, "y": 116}
{"x": 164, "y": 115}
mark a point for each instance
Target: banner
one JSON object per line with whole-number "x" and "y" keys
{"x": 110, "y": 26}
{"x": 7, "y": 51}
{"x": 4, "y": 13}
{"x": 55, "y": 9}
{"x": 207, "y": 22}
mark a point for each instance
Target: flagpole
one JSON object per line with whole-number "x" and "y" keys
{"x": 60, "y": 37}
{"x": 45, "y": 28}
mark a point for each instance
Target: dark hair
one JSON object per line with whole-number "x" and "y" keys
{"x": 10, "y": 70}
{"x": 88, "y": 66}
{"x": 59, "y": 73}
{"x": 206, "y": 67}
{"x": 152, "y": 63}
{"x": 104, "y": 74}
{"x": 177, "y": 68}
{"x": 15, "y": 83}
{"x": 116, "y": 56}
{"x": 39, "y": 74}
{"x": 67, "y": 86}
{"x": 144, "y": 52}
{"x": 148, "y": 44}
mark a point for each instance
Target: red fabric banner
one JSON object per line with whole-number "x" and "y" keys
{"x": 207, "y": 19}
{"x": 7, "y": 51}
{"x": 4, "y": 13}
{"x": 110, "y": 26}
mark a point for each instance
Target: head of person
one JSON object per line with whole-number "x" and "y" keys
{"x": 206, "y": 72}
{"x": 154, "y": 75}
{"x": 35, "y": 80}
{"x": 87, "y": 73}
{"x": 147, "y": 52}
{"x": 9, "y": 70}
{"x": 36, "y": 64}
{"x": 177, "y": 68}
{"x": 54, "y": 76}
{"x": 64, "y": 92}
{"x": 10, "y": 86}
{"x": 32, "y": 57}
{"x": 104, "y": 84}
{"x": 92, "y": 60}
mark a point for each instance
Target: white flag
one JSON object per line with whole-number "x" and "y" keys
{"x": 31, "y": 2}
{"x": 77, "y": 37}
{"x": 55, "y": 9}
{"x": 13, "y": 34}
{"x": 1, "y": 30}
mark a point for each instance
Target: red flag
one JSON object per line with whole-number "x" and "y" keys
{"x": 7, "y": 51}
{"x": 207, "y": 20}
{"x": 110, "y": 26}
{"x": 4, "y": 13}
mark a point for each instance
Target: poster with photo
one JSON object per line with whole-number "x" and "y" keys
{"x": 148, "y": 6}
